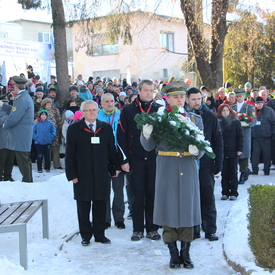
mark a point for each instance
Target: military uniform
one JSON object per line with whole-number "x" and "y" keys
{"x": 19, "y": 125}
{"x": 246, "y": 153}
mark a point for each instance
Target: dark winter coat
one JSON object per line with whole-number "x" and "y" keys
{"x": 89, "y": 162}
{"x": 266, "y": 118}
{"x": 233, "y": 137}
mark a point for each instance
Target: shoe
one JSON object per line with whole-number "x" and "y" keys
{"x": 242, "y": 178}
{"x": 107, "y": 225}
{"x": 137, "y": 236}
{"x": 153, "y": 235}
{"x": 211, "y": 237}
{"x": 233, "y": 198}
{"x": 59, "y": 168}
{"x": 48, "y": 170}
{"x": 197, "y": 235}
{"x": 254, "y": 173}
{"x": 120, "y": 225}
{"x": 185, "y": 256}
{"x": 224, "y": 197}
{"x": 266, "y": 173}
{"x": 104, "y": 240}
{"x": 40, "y": 171}
{"x": 85, "y": 242}
{"x": 174, "y": 253}
{"x": 246, "y": 175}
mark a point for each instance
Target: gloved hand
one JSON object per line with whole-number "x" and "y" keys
{"x": 193, "y": 150}
{"x": 1, "y": 103}
{"x": 217, "y": 168}
{"x": 147, "y": 130}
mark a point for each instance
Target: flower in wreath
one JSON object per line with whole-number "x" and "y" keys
{"x": 171, "y": 125}
{"x": 244, "y": 117}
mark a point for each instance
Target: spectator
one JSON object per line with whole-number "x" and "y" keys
{"x": 52, "y": 96}
{"x": 220, "y": 98}
{"x": 85, "y": 93}
{"x": 37, "y": 99}
{"x": 43, "y": 135}
{"x": 73, "y": 95}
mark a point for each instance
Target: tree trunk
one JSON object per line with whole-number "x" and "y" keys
{"x": 61, "y": 57}
{"x": 209, "y": 60}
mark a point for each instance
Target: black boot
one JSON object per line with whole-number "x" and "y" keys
{"x": 174, "y": 260}
{"x": 246, "y": 175}
{"x": 184, "y": 255}
{"x": 242, "y": 178}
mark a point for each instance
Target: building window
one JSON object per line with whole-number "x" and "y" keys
{"x": 3, "y": 35}
{"x": 44, "y": 37}
{"x": 167, "y": 40}
{"x": 100, "y": 47}
{"x": 165, "y": 72}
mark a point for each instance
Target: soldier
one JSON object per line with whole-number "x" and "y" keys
{"x": 242, "y": 107}
{"x": 177, "y": 198}
{"x": 19, "y": 125}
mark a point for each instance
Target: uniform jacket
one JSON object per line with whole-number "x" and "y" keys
{"x": 43, "y": 132}
{"x": 128, "y": 134}
{"x": 177, "y": 195}
{"x": 249, "y": 110}
{"x": 266, "y": 118}
{"x": 233, "y": 137}
{"x": 212, "y": 132}
{"x": 19, "y": 123}
{"x": 89, "y": 162}
{"x": 4, "y": 112}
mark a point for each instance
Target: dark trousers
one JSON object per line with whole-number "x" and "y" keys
{"x": 6, "y": 163}
{"x": 129, "y": 191}
{"x": 118, "y": 206}
{"x": 98, "y": 213}
{"x": 208, "y": 207}
{"x": 43, "y": 151}
{"x": 143, "y": 189}
{"x": 243, "y": 165}
{"x": 24, "y": 164}
{"x": 261, "y": 147}
{"x": 229, "y": 177}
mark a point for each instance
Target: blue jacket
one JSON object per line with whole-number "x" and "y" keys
{"x": 43, "y": 132}
{"x": 86, "y": 96}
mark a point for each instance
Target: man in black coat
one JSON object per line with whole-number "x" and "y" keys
{"x": 262, "y": 134}
{"x": 140, "y": 163}
{"x": 90, "y": 152}
{"x": 208, "y": 166}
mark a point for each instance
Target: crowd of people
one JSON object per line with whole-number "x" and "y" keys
{"x": 96, "y": 131}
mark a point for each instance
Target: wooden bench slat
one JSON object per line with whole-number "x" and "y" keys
{"x": 9, "y": 211}
{"x": 23, "y": 213}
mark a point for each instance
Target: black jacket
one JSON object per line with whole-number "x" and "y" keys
{"x": 128, "y": 135}
{"x": 265, "y": 125}
{"x": 232, "y": 137}
{"x": 90, "y": 162}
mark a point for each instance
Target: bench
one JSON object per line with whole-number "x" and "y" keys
{"x": 14, "y": 218}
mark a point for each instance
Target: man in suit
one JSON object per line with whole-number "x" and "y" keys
{"x": 19, "y": 126}
{"x": 242, "y": 107}
{"x": 90, "y": 152}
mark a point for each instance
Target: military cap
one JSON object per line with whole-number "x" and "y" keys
{"x": 175, "y": 88}
{"x": 19, "y": 80}
{"x": 259, "y": 99}
{"x": 239, "y": 91}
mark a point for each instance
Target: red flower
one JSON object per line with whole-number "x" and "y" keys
{"x": 251, "y": 119}
{"x": 169, "y": 109}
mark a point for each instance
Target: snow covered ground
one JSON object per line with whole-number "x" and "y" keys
{"x": 122, "y": 256}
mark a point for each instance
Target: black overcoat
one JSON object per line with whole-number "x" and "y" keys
{"x": 89, "y": 162}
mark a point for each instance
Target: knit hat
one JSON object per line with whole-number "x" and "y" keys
{"x": 259, "y": 100}
{"x": 39, "y": 90}
{"x": 73, "y": 88}
{"x": 68, "y": 114}
{"x": 43, "y": 112}
{"x": 122, "y": 93}
{"x": 248, "y": 84}
{"x": 77, "y": 115}
{"x": 134, "y": 84}
{"x": 227, "y": 85}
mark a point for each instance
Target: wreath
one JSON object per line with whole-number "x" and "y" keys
{"x": 171, "y": 125}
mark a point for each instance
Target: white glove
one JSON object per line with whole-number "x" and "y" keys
{"x": 147, "y": 130}
{"x": 193, "y": 150}
{"x": 1, "y": 103}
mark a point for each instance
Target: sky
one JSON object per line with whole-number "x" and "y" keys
{"x": 55, "y": 256}
{"x": 10, "y": 10}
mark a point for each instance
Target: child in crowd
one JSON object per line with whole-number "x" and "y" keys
{"x": 69, "y": 119}
{"x": 43, "y": 134}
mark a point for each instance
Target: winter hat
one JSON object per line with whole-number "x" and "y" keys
{"x": 227, "y": 85}
{"x": 259, "y": 100}
{"x": 77, "y": 115}
{"x": 83, "y": 89}
{"x": 248, "y": 84}
{"x": 43, "y": 112}
{"x": 45, "y": 101}
{"x": 73, "y": 88}
{"x": 68, "y": 114}
{"x": 122, "y": 93}
{"x": 79, "y": 82}
{"x": 39, "y": 90}
{"x": 134, "y": 84}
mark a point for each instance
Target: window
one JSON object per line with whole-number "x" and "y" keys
{"x": 44, "y": 37}
{"x": 3, "y": 35}
{"x": 167, "y": 40}
{"x": 100, "y": 47}
{"x": 165, "y": 72}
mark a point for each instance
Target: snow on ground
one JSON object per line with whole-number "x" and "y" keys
{"x": 122, "y": 256}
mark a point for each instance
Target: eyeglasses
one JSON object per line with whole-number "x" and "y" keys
{"x": 90, "y": 111}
